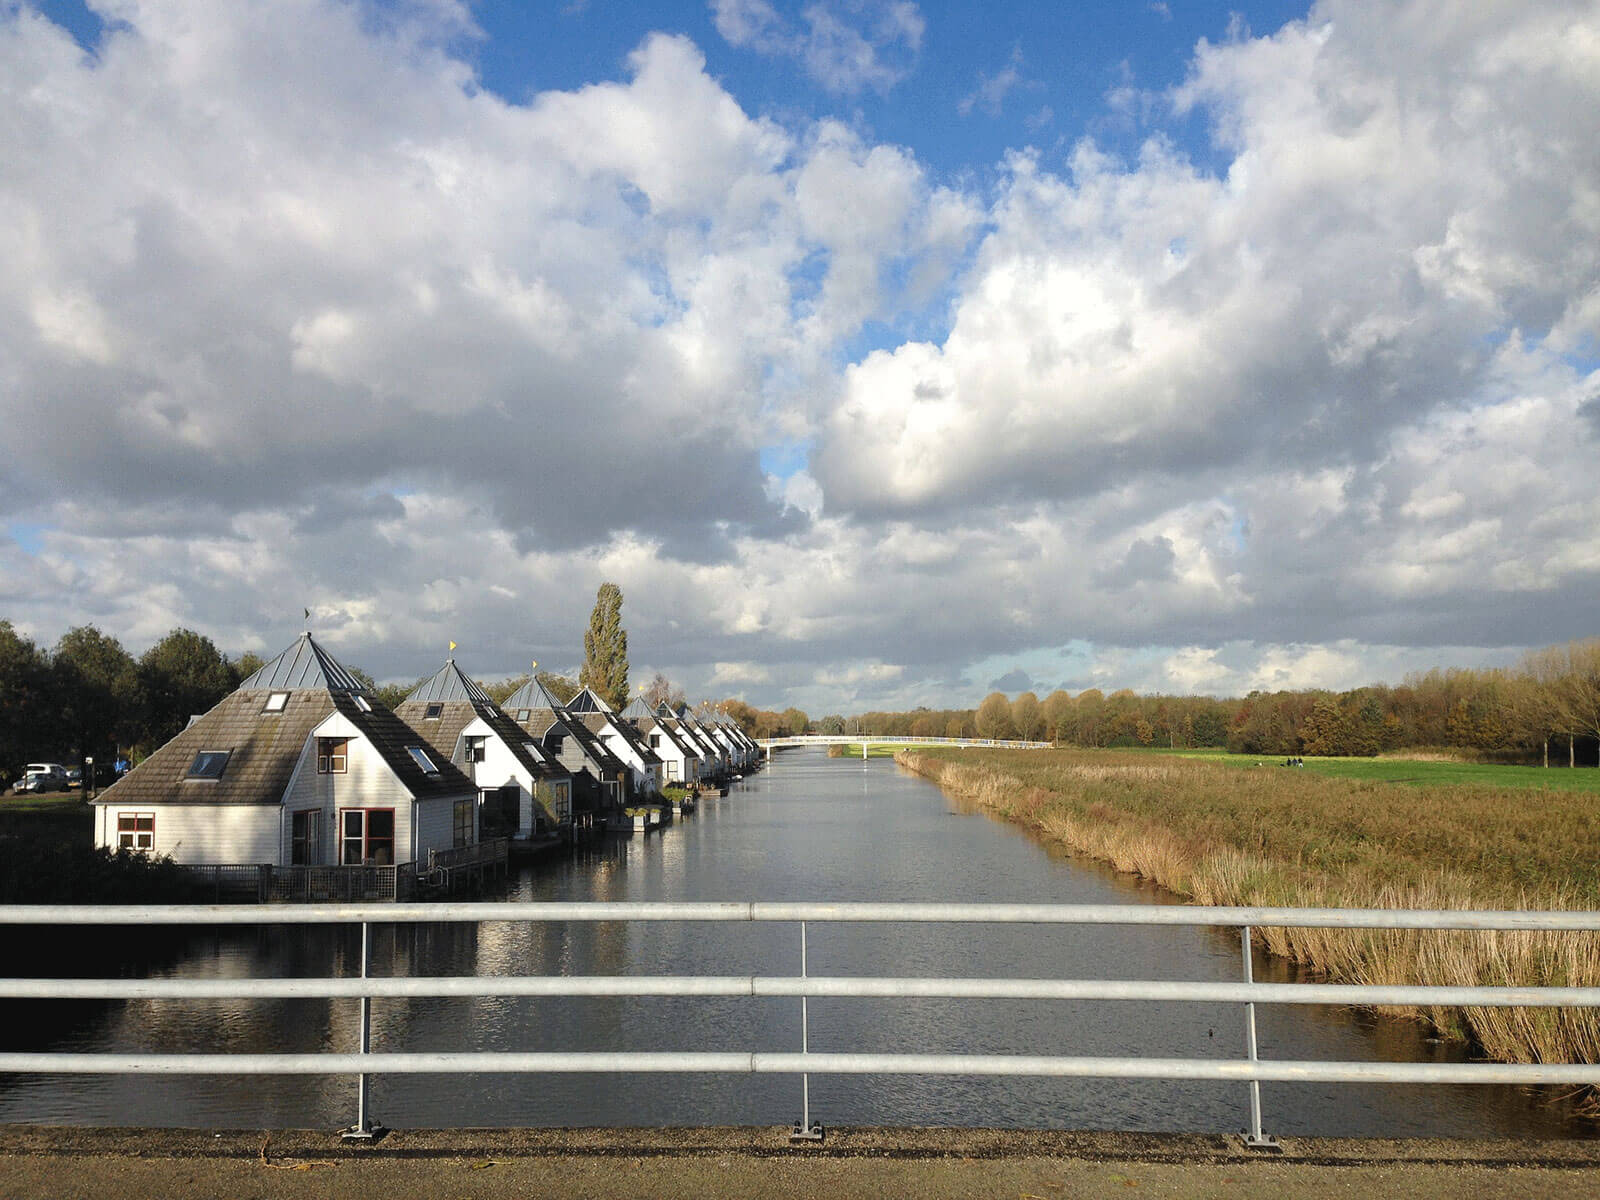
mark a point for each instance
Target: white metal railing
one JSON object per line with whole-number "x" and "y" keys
{"x": 1250, "y": 1069}
{"x": 873, "y": 739}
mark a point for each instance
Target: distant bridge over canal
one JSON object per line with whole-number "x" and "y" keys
{"x": 844, "y": 739}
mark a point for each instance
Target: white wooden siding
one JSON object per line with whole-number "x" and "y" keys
{"x": 436, "y": 825}
{"x": 205, "y": 833}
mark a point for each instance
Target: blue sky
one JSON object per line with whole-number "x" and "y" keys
{"x": 883, "y": 351}
{"x": 1066, "y": 59}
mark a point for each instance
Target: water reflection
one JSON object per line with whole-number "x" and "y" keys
{"x": 810, "y": 828}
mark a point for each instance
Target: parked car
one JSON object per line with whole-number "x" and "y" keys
{"x": 43, "y": 777}
{"x": 74, "y": 777}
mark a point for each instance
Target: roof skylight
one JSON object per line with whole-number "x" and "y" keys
{"x": 422, "y": 760}
{"x": 209, "y": 764}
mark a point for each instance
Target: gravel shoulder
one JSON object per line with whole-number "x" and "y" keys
{"x": 696, "y": 1164}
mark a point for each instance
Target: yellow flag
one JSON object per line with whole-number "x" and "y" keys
{"x": 452, "y": 645}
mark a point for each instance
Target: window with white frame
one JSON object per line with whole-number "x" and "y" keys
{"x": 276, "y": 702}
{"x": 136, "y": 831}
{"x": 366, "y": 837}
{"x": 333, "y": 756}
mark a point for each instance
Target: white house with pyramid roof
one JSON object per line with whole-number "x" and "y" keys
{"x": 680, "y": 756}
{"x": 523, "y": 790}
{"x": 298, "y": 767}
{"x": 620, "y": 738}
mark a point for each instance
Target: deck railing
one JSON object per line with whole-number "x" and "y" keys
{"x": 268, "y": 882}
{"x": 1249, "y": 1069}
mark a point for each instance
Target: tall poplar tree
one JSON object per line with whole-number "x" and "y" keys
{"x": 605, "y": 649}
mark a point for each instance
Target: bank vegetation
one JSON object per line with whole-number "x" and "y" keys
{"x": 1223, "y": 835}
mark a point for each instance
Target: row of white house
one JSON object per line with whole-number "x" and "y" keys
{"x": 301, "y": 767}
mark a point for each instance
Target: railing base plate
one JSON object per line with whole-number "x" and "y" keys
{"x": 807, "y": 1133}
{"x": 1265, "y": 1144}
{"x": 357, "y": 1134}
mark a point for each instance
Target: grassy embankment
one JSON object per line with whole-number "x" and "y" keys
{"x": 853, "y": 750}
{"x": 1272, "y": 835}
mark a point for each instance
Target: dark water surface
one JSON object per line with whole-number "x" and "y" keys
{"x": 809, "y": 828}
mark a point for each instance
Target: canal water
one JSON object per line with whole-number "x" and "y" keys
{"x": 807, "y": 828}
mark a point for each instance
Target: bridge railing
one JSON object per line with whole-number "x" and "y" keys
{"x": 845, "y": 739}
{"x": 362, "y": 1061}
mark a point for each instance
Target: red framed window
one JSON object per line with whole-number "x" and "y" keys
{"x": 366, "y": 837}
{"x": 136, "y": 831}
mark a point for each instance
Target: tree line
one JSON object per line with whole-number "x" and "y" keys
{"x": 88, "y": 697}
{"x": 1545, "y": 709}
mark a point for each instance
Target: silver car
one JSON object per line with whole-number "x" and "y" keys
{"x": 43, "y": 777}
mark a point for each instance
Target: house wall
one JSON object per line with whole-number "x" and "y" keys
{"x": 501, "y": 767}
{"x": 367, "y": 783}
{"x": 202, "y": 833}
{"x": 436, "y": 825}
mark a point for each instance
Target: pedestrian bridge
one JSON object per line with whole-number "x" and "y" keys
{"x": 845, "y": 739}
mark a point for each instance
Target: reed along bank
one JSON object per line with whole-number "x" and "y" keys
{"x": 1219, "y": 834}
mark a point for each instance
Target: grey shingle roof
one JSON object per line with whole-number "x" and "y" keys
{"x": 598, "y": 723}
{"x": 461, "y": 700}
{"x": 263, "y": 747}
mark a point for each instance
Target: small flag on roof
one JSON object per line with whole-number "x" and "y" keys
{"x": 452, "y": 645}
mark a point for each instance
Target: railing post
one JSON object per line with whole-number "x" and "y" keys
{"x": 364, "y": 1129}
{"x": 1253, "y": 1137}
{"x": 806, "y": 1130}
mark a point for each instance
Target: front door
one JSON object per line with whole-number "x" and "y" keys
{"x": 367, "y": 837}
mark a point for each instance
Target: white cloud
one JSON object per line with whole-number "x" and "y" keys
{"x": 847, "y": 46}
{"x": 438, "y": 365}
{"x": 990, "y": 94}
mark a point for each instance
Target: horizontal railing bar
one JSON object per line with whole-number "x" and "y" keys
{"x": 721, "y": 1062}
{"x": 861, "y": 987}
{"x": 1005, "y": 914}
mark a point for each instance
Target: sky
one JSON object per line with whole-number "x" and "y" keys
{"x": 883, "y": 352}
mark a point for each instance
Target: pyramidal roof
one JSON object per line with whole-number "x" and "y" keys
{"x": 450, "y": 683}
{"x": 588, "y": 701}
{"x": 638, "y": 709}
{"x": 533, "y": 694}
{"x": 304, "y": 665}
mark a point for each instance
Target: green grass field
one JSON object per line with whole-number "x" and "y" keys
{"x": 877, "y": 750}
{"x": 54, "y": 816}
{"x": 1418, "y": 772}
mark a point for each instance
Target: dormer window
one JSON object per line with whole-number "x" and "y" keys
{"x": 209, "y": 764}
{"x": 333, "y": 756}
{"x": 276, "y": 702}
{"x": 475, "y": 749}
{"x": 420, "y": 757}
{"x": 431, "y": 713}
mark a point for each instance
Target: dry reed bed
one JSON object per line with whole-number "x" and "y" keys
{"x": 1274, "y": 836}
